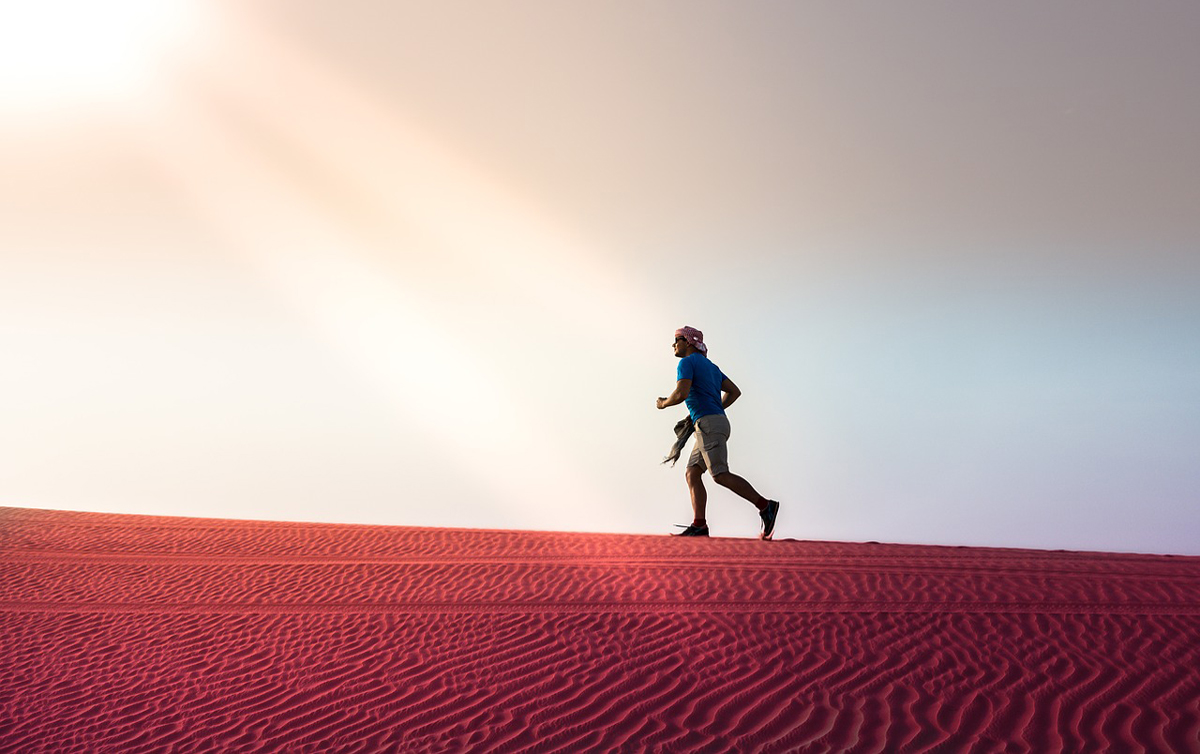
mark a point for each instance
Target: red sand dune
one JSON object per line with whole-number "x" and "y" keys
{"x": 136, "y": 633}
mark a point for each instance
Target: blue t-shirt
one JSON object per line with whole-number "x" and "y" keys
{"x": 706, "y": 377}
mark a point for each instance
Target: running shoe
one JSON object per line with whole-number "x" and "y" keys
{"x": 768, "y": 514}
{"x": 692, "y": 530}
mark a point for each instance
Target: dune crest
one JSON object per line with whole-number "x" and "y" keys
{"x": 138, "y": 633}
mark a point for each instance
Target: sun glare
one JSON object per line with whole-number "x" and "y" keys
{"x": 60, "y": 53}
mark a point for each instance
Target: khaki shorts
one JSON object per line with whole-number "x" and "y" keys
{"x": 712, "y": 432}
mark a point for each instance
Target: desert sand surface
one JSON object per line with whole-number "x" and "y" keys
{"x": 135, "y": 633}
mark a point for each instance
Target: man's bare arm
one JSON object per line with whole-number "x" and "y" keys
{"x": 682, "y": 388}
{"x": 731, "y": 393}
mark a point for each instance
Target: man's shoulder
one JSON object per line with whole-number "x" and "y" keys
{"x": 698, "y": 363}
{"x": 707, "y": 362}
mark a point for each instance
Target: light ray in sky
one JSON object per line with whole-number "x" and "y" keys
{"x": 274, "y": 122}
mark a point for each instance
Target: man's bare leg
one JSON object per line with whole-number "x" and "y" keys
{"x": 695, "y": 482}
{"x": 741, "y": 487}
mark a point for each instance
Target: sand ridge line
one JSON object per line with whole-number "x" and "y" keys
{"x": 764, "y": 606}
{"x": 450, "y": 539}
{"x": 77, "y": 520}
{"x": 80, "y": 520}
{"x": 805, "y": 565}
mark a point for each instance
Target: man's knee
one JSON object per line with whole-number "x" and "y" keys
{"x": 723, "y": 478}
{"x": 694, "y": 475}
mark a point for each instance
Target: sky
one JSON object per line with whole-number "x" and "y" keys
{"x": 421, "y": 263}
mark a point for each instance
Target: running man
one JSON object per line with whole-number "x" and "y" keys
{"x": 701, "y": 384}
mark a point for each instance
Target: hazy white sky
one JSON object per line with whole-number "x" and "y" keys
{"x": 420, "y": 263}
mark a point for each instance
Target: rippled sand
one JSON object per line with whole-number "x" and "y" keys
{"x": 135, "y": 633}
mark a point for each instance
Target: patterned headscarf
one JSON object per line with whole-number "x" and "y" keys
{"x": 693, "y": 336}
